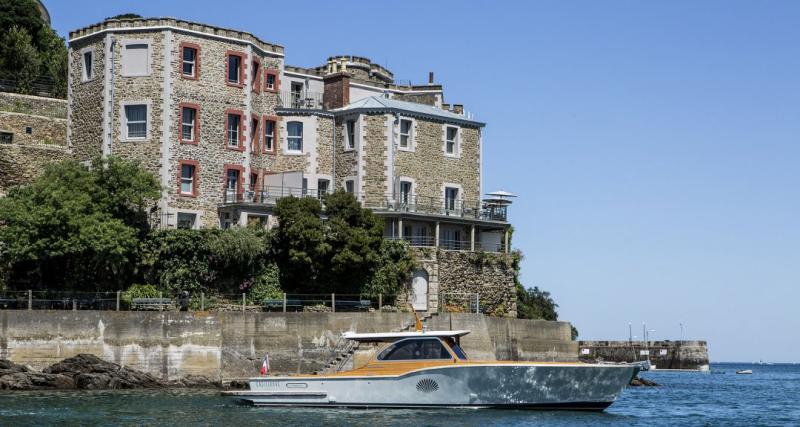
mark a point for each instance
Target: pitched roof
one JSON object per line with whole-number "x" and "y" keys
{"x": 383, "y": 104}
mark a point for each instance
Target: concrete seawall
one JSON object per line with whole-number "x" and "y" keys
{"x": 230, "y": 345}
{"x": 662, "y": 354}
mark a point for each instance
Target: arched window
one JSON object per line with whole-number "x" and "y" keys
{"x": 416, "y": 349}
{"x": 295, "y": 140}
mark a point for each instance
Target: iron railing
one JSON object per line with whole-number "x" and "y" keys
{"x": 457, "y": 208}
{"x": 304, "y": 99}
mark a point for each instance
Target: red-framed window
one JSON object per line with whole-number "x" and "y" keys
{"x": 255, "y": 75}
{"x": 253, "y": 183}
{"x": 270, "y": 132}
{"x": 233, "y": 182}
{"x": 255, "y": 133}
{"x": 190, "y": 60}
{"x": 272, "y": 80}
{"x": 188, "y": 177}
{"x": 188, "y": 123}
{"x": 234, "y": 68}
{"x": 234, "y": 130}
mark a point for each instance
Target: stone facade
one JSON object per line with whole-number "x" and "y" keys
{"x": 86, "y": 101}
{"x": 20, "y": 164}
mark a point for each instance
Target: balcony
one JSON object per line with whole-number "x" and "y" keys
{"x": 434, "y": 206}
{"x": 301, "y": 100}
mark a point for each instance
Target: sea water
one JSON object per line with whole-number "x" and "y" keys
{"x": 767, "y": 397}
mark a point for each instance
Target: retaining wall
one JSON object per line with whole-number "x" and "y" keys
{"x": 663, "y": 354}
{"x": 231, "y": 345}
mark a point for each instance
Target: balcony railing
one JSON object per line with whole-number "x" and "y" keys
{"x": 304, "y": 99}
{"x": 455, "y": 208}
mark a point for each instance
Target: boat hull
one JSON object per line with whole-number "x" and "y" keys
{"x": 531, "y": 386}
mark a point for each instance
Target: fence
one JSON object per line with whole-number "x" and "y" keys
{"x": 456, "y": 302}
{"x": 41, "y": 86}
{"x": 120, "y": 301}
{"x": 300, "y": 99}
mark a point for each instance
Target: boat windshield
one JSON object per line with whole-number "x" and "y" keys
{"x": 415, "y": 349}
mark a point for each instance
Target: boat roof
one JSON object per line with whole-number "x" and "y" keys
{"x": 391, "y": 336}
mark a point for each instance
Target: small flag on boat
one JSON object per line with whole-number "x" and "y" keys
{"x": 265, "y": 365}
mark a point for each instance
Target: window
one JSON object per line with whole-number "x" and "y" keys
{"x": 322, "y": 186}
{"x": 305, "y": 186}
{"x": 253, "y": 181}
{"x": 186, "y": 220}
{"x": 405, "y": 133}
{"x": 6, "y": 138}
{"x": 350, "y": 186}
{"x": 451, "y": 141}
{"x": 405, "y": 192}
{"x": 189, "y": 128}
{"x": 190, "y": 63}
{"x": 232, "y": 184}
{"x": 234, "y": 131}
{"x": 255, "y": 76}
{"x": 351, "y": 135}
{"x": 234, "y": 69}
{"x": 254, "y": 133}
{"x": 269, "y": 135}
{"x": 297, "y": 95}
{"x": 136, "y": 121}
{"x": 87, "y": 65}
{"x": 450, "y": 198}
{"x": 416, "y": 349}
{"x": 136, "y": 59}
{"x": 271, "y": 80}
{"x": 457, "y": 349}
{"x": 188, "y": 179}
{"x": 295, "y": 140}
{"x": 28, "y": 130}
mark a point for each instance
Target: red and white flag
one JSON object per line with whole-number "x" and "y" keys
{"x": 265, "y": 365}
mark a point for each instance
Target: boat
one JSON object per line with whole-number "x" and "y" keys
{"x": 744, "y": 371}
{"x": 429, "y": 369}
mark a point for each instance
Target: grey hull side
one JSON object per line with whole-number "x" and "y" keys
{"x": 575, "y": 387}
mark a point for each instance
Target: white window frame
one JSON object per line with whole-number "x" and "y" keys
{"x": 193, "y": 124}
{"x": 198, "y": 218}
{"x": 329, "y": 180}
{"x": 191, "y": 180}
{"x": 123, "y": 131}
{"x": 194, "y": 63}
{"x": 457, "y": 143}
{"x": 239, "y": 75}
{"x": 124, "y": 45}
{"x": 238, "y": 130}
{"x": 355, "y": 187}
{"x": 412, "y": 131}
{"x": 411, "y": 196}
{"x": 289, "y": 137}
{"x": 87, "y": 74}
{"x": 459, "y": 199}
{"x": 270, "y": 136}
{"x": 348, "y": 134}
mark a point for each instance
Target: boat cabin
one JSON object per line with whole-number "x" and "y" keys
{"x": 434, "y": 346}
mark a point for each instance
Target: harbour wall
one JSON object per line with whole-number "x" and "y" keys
{"x": 691, "y": 355}
{"x": 228, "y": 345}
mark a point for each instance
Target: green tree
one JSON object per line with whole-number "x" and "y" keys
{"x": 298, "y": 243}
{"x": 74, "y": 228}
{"x": 394, "y": 269}
{"x": 125, "y": 16}
{"x": 20, "y": 61}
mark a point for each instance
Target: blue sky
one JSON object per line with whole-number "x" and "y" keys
{"x": 654, "y": 146}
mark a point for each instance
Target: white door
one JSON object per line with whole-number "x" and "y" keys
{"x": 419, "y": 289}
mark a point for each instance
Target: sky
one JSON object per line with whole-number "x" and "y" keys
{"x": 654, "y": 146}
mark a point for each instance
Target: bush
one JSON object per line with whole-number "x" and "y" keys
{"x": 140, "y": 291}
{"x": 265, "y": 286}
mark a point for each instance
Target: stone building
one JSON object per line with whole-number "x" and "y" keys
{"x": 229, "y": 128}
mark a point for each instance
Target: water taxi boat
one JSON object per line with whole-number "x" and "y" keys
{"x": 429, "y": 369}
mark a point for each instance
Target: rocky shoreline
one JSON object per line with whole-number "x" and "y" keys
{"x": 89, "y": 372}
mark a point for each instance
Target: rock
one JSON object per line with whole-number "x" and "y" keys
{"x": 239, "y": 385}
{"x": 92, "y": 373}
{"x": 195, "y": 381}
{"x": 8, "y": 367}
{"x": 642, "y": 382}
{"x": 35, "y": 381}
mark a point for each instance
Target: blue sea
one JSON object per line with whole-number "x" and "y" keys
{"x": 768, "y": 397}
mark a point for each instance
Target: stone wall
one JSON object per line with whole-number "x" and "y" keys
{"x": 231, "y": 345}
{"x": 375, "y": 143}
{"x": 456, "y": 277}
{"x": 44, "y": 130}
{"x": 86, "y": 99}
{"x": 691, "y": 355}
{"x": 20, "y": 164}
{"x": 36, "y": 105}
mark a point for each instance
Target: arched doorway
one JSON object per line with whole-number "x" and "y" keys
{"x": 419, "y": 290}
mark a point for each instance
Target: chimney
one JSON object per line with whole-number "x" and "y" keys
{"x": 336, "y": 90}
{"x": 458, "y": 109}
{"x": 430, "y": 77}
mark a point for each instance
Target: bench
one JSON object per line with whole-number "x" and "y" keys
{"x": 294, "y": 304}
{"x": 363, "y": 304}
{"x": 152, "y": 304}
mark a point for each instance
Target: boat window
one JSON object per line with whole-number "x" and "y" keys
{"x": 415, "y": 349}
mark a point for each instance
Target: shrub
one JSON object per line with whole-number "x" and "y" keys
{"x": 140, "y": 291}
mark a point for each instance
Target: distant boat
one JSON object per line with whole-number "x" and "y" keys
{"x": 744, "y": 371}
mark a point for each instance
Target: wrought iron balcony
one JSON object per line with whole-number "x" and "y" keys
{"x": 304, "y": 99}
